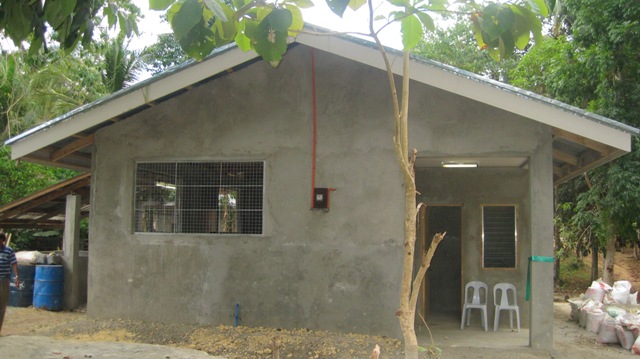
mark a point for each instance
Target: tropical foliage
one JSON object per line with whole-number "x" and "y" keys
{"x": 163, "y": 54}
{"x": 203, "y": 25}
{"x": 595, "y": 65}
{"x": 455, "y": 45}
{"x": 589, "y": 59}
{"x": 70, "y": 21}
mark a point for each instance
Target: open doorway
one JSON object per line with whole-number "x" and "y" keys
{"x": 441, "y": 297}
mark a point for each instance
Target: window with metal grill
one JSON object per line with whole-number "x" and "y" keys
{"x": 199, "y": 197}
{"x": 499, "y": 236}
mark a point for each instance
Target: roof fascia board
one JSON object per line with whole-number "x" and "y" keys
{"x": 487, "y": 91}
{"x": 526, "y": 107}
{"x": 103, "y": 110}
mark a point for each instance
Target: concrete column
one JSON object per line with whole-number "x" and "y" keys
{"x": 541, "y": 195}
{"x": 71, "y": 247}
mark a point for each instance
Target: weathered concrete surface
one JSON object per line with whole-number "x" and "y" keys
{"x": 31, "y": 347}
{"x": 339, "y": 270}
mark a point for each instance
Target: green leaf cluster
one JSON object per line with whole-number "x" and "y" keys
{"x": 164, "y": 53}
{"x": 502, "y": 28}
{"x": 456, "y": 45}
{"x": 200, "y": 26}
{"x": 71, "y": 21}
{"x": 596, "y": 66}
{"x": 20, "y": 179}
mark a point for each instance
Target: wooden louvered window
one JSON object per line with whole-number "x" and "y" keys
{"x": 499, "y": 236}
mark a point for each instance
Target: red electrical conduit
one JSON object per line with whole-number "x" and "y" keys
{"x": 313, "y": 144}
{"x": 315, "y": 133}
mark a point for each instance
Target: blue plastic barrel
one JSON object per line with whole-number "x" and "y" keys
{"x": 22, "y": 296}
{"x": 48, "y": 289}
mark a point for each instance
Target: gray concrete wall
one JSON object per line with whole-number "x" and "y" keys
{"x": 309, "y": 269}
{"x": 541, "y": 178}
{"x": 336, "y": 270}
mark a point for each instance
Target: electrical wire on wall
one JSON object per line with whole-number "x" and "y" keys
{"x": 314, "y": 140}
{"x": 319, "y": 196}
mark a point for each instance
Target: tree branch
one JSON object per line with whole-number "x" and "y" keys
{"x": 424, "y": 266}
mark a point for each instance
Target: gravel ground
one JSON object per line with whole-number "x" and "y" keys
{"x": 77, "y": 336}
{"x": 225, "y": 341}
{"x": 231, "y": 342}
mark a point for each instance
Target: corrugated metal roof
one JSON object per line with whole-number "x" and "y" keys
{"x": 66, "y": 140}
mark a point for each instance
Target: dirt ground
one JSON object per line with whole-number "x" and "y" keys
{"x": 570, "y": 340}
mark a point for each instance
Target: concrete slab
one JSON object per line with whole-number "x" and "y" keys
{"x": 447, "y": 333}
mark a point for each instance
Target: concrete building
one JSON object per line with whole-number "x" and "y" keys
{"x": 204, "y": 179}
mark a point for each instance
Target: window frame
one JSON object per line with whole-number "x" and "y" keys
{"x": 261, "y": 210}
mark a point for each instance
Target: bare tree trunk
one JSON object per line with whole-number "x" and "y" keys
{"x": 595, "y": 273}
{"x": 410, "y": 287}
{"x": 607, "y": 266}
{"x": 375, "y": 354}
{"x": 276, "y": 343}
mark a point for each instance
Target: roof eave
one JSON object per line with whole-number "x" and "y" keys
{"x": 129, "y": 99}
{"x": 494, "y": 93}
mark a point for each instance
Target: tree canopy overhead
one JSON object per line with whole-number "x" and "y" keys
{"x": 67, "y": 22}
{"x": 263, "y": 26}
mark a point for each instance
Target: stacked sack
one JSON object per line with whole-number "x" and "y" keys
{"x": 610, "y": 312}
{"x": 31, "y": 257}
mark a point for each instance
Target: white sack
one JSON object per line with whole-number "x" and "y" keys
{"x": 625, "y": 337}
{"x": 607, "y": 333}
{"x": 636, "y": 346}
{"x": 30, "y": 257}
{"x": 620, "y": 291}
{"x": 594, "y": 320}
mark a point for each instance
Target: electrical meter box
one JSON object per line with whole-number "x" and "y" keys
{"x": 321, "y": 198}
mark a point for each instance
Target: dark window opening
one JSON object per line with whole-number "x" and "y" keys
{"x": 199, "y": 197}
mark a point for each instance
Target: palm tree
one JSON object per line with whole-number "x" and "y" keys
{"x": 121, "y": 66}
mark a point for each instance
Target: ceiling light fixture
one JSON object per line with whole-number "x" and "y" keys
{"x": 452, "y": 164}
{"x": 165, "y": 185}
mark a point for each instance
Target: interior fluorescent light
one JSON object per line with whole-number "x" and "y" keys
{"x": 459, "y": 164}
{"x": 165, "y": 185}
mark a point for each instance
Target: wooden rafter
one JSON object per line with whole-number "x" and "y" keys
{"x": 565, "y": 157}
{"x": 44, "y": 196}
{"x": 72, "y": 147}
{"x": 33, "y": 224}
{"x": 594, "y": 145}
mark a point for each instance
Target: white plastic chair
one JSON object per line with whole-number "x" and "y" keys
{"x": 476, "y": 301}
{"x": 505, "y": 304}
